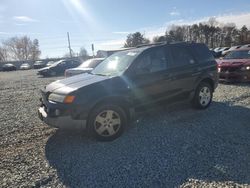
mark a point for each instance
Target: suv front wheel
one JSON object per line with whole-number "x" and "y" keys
{"x": 203, "y": 96}
{"x": 107, "y": 122}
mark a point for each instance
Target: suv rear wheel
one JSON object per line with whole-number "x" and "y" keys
{"x": 107, "y": 122}
{"x": 203, "y": 96}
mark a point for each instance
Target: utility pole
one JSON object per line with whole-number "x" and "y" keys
{"x": 70, "y": 51}
{"x": 93, "y": 50}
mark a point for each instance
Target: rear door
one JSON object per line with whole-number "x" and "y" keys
{"x": 183, "y": 69}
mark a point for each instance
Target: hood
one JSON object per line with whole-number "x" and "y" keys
{"x": 78, "y": 69}
{"x": 71, "y": 84}
{"x": 43, "y": 69}
{"x": 233, "y": 62}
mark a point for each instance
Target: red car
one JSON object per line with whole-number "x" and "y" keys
{"x": 235, "y": 66}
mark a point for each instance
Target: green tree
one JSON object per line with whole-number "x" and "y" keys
{"x": 135, "y": 39}
{"x": 83, "y": 52}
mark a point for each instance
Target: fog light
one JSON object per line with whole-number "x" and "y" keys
{"x": 57, "y": 112}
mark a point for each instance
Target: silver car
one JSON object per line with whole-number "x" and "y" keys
{"x": 86, "y": 66}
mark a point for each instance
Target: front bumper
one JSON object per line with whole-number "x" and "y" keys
{"x": 242, "y": 76}
{"x": 59, "y": 116}
{"x": 61, "y": 122}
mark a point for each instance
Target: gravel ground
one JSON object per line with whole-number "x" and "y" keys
{"x": 173, "y": 147}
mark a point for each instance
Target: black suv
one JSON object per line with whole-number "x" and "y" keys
{"x": 58, "y": 68}
{"x": 106, "y": 99}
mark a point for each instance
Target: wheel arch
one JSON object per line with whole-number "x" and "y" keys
{"x": 115, "y": 100}
{"x": 209, "y": 81}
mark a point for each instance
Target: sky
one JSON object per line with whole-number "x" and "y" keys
{"x": 106, "y": 23}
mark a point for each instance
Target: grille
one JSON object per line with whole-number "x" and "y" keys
{"x": 229, "y": 69}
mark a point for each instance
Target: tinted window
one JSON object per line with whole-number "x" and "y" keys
{"x": 242, "y": 54}
{"x": 153, "y": 61}
{"x": 202, "y": 53}
{"x": 181, "y": 56}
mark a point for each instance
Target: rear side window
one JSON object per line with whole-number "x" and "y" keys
{"x": 181, "y": 56}
{"x": 202, "y": 53}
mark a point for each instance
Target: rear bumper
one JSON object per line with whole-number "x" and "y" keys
{"x": 62, "y": 122}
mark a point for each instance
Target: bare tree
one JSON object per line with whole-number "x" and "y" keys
{"x": 83, "y": 52}
{"x": 3, "y": 54}
{"x": 22, "y": 48}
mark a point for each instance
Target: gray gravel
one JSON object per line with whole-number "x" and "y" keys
{"x": 173, "y": 147}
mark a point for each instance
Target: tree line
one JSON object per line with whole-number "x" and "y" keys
{"x": 212, "y": 33}
{"x": 19, "y": 48}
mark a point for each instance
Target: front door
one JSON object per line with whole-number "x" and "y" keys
{"x": 151, "y": 77}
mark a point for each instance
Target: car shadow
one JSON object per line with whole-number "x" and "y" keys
{"x": 163, "y": 149}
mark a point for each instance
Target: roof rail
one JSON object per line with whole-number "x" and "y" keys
{"x": 151, "y": 44}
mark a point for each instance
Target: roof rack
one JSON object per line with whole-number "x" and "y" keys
{"x": 165, "y": 42}
{"x": 151, "y": 44}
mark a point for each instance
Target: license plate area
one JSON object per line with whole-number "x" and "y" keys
{"x": 43, "y": 112}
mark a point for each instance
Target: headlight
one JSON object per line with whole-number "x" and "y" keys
{"x": 61, "y": 98}
{"x": 245, "y": 68}
{"x": 219, "y": 69}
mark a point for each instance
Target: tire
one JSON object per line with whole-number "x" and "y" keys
{"x": 107, "y": 122}
{"x": 203, "y": 96}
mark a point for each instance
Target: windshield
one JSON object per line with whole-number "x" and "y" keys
{"x": 90, "y": 63}
{"x": 56, "y": 63}
{"x": 242, "y": 54}
{"x": 116, "y": 64}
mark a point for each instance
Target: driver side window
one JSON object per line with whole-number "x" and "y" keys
{"x": 152, "y": 61}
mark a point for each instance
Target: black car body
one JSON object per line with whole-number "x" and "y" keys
{"x": 58, "y": 68}
{"x": 9, "y": 67}
{"x": 39, "y": 64}
{"x": 127, "y": 82}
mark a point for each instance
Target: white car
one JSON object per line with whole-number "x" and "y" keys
{"x": 25, "y": 66}
{"x": 223, "y": 53}
{"x": 86, "y": 66}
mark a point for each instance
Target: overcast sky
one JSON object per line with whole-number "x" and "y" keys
{"x": 106, "y": 23}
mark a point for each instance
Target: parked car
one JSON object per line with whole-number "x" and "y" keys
{"x": 223, "y": 53}
{"x": 25, "y": 66}
{"x": 50, "y": 63}
{"x": 107, "y": 53}
{"x": 217, "y": 49}
{"x": 105, "y": 100}
{"x": 217, "y": 52}
{"x": 58, "y": 68}
{"x": 9, "y": 67}
{"x": 86, "y": 66}
{"x": 235, "y": 66}
{"x": 39, "y": 64}
{"x": 245, "y": 46}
